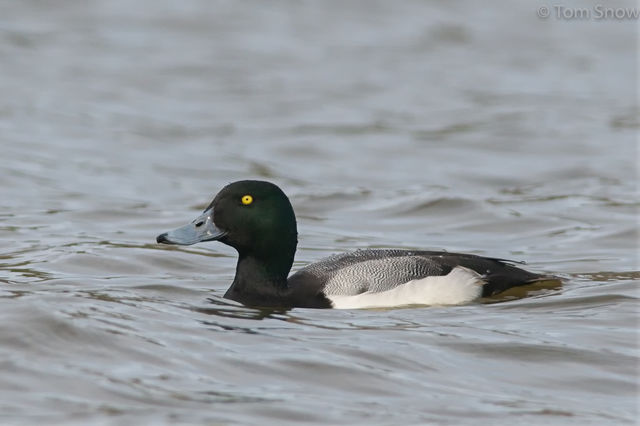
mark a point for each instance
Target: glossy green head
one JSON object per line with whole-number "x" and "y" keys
{"x": 254, "y": 217}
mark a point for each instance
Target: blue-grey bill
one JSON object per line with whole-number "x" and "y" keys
{"x": 201, "y": 229}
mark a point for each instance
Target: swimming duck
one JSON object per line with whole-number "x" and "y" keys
{"x": 257, "y": 219}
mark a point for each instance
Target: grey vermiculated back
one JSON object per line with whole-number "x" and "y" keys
{"x": 373, "y": 270}
{"x": 380, "y": 270}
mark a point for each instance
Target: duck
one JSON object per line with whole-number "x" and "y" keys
{"x": 257, "y": 219}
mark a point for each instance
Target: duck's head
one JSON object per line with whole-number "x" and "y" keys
{"x": 254, "y": 217}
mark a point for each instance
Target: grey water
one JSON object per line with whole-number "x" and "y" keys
{"x": 459, "y": 126}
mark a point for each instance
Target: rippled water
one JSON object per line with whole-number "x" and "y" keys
{"x": 436, "y": 125}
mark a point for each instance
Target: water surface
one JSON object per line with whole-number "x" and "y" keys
{"x": 434, "y": 125}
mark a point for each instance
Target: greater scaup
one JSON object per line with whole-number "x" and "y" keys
{"x": 256, "y": 218}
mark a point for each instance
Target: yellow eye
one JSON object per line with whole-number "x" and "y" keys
{"x": 247, "y": 199}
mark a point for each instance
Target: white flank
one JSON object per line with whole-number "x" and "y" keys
{"x": 461, "y": 285}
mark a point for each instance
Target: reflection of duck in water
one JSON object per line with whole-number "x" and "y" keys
{"x": 256, "y": 218}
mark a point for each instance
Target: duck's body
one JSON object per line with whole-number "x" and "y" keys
{"x": 257, "y": 219}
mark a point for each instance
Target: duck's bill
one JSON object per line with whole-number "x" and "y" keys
{"x": 201, "y": 229}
